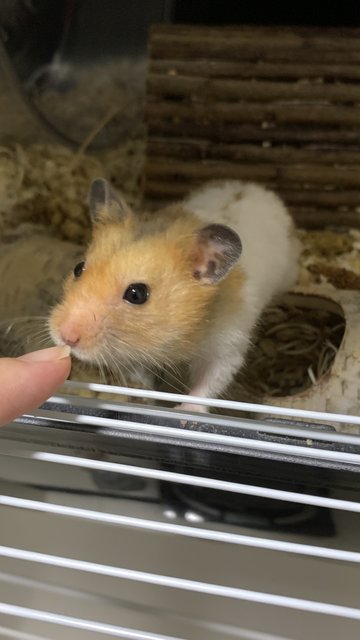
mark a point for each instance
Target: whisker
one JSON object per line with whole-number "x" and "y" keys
{"x": 23, "y": 332}
{"x": 156, "y": 366}
{"x": 117, "y": 369}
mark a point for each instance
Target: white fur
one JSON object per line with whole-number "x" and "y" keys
{"x": 269, "y": 260}
{"x": 269, "y": 249}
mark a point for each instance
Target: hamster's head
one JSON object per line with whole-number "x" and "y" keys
{"x": 143, "y": 292}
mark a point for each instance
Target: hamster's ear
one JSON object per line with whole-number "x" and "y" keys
{"x": 217, "y": 250}
{"x": 105, "y": 203}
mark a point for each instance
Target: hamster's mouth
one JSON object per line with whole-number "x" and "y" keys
{"x": 88, "y": 355}
{"x": 84, "y": 356}
{"x": 97, "y": 357}
{"x": 99, "y": 353}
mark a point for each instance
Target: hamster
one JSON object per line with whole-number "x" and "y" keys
{"x": 184, "y": 285}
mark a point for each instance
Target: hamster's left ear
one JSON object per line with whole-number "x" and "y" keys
{"x": 217, "y": 250}
{"x": 105, "y": 203}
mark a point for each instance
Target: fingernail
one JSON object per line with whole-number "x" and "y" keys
{"x": 47, "y": 355}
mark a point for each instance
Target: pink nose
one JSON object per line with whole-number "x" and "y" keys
{"x": 70, "y": 335}
{"x": 68, "y": 341}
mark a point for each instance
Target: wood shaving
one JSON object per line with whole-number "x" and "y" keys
{"x": 49, "y": 184}
{"x": 330, "y": 256}
{"x": 328, "y": 243}
{"x": 339, "y": 277}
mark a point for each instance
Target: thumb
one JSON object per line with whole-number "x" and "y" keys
{"x": 28, "y": 381}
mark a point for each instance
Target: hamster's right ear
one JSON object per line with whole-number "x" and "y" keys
{"x": 105, "y": 203}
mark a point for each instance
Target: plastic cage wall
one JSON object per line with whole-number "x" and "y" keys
{"x": 131, "y": 520}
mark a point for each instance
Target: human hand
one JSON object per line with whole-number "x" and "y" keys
{"x": 28, "y": 381}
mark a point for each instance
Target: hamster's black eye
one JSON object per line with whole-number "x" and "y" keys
{"x": 137, "y": 293}
{"x": 79, "y": 269}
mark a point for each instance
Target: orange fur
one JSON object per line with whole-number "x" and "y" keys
{"x": 169, "y": 325}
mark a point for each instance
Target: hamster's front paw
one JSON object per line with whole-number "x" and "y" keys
{"x": 192, "y": 408}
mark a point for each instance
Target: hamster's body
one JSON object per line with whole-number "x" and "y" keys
{"x": 203, "y": 297}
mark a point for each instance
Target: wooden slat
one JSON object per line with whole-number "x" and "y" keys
{"x": 204, "y": 149}
{"x": 333, "y": 38}
{"x": 313, "y": 218}
{"x": 224, "y": 112}
{"x": 240, "y": 42}
{"x": 262, "y": 69}
{"x": 203, "y": 89}
{"x": 233, "y": 49}
{"x": 263, "y": 132}
{"x": 344, "y": 176}
{"x": 283, "y": 30}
